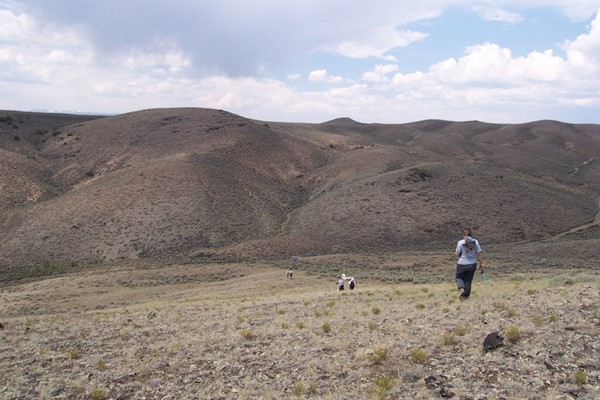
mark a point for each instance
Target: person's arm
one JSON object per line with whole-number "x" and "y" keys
{"x": 480, "y": 260}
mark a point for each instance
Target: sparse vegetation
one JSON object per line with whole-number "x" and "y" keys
{"x": 241, "y": 328}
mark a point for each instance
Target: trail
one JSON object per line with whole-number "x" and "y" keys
{"x": 596, "y": 221}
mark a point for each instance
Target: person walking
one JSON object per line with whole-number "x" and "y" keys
{"x": 468, "y": 253}
{"x": 352, "y": 283}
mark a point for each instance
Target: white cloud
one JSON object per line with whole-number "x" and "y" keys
{"x": 321, "y": 75}
{"x": 379, "y": 73}
{"x": 378, "y": 42}
{"x": 496, "y": 14}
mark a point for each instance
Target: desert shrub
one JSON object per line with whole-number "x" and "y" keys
{"x": 284, "y": 325}
{"x": 538, "y": 321}
{"x": 449, "y": 339}
{"x": 247, "y": 334}
{"x": 281, "y": 311}
{"x": 420, "y": 306}
{"x": 419, "y": 355}
{"x": 326, "y": 327}
{"x": 417, "y": 174}
{"x": 373, "y": 326}
{"x": 378, "y": 356}
{"x": 553, "y": 318}
{"x": 382, "y": 386}
{"x": 581, "y": 377}
{"x": 300, "y": 325}
{"x": 298, "y": 389}
{"x": 376, "y": 310}
{"x": 513, "y": 334}
{"x": 531, "y": 291}
{"x": 98, "y": 394}
{"x": 44, "y": 269}
{"x": 461, "y": 331}
{"x": 312, "y": 388}
{"x": 330, "y": 303}
{"x": 74, "y": 354}
{"x": 101, "y": 364}
{"x": 511, "y": 312}
{"x": 565, "y": 279}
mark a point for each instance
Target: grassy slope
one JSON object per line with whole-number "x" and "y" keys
{"x": 237, "y": 331}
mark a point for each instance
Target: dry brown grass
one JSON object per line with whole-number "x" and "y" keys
{"x": 240, "y": 331}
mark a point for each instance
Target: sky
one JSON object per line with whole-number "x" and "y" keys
{"x": 376, "y": 61}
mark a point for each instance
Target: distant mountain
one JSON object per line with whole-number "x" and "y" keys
{"x": 190, "y": 182}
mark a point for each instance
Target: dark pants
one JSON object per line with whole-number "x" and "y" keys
{"x": 464, "y": 277}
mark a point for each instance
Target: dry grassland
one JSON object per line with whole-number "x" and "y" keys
{"x": 241, "y": 331}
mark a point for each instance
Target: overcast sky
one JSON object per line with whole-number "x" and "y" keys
{"x": 385, "y": 61}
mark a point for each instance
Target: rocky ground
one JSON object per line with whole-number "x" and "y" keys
{"x": 248, "y": 332}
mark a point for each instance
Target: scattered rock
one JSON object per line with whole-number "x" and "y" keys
{"x": 492, "y": 341}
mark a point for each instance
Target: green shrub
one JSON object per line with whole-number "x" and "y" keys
{"x": 513, "y": 334}
{"x": 419, "y": 355}
{"x": 538, "y": 321}
{"x": 74, "y": 354}
{"x": 581, "y": 377}
{"x": 382, "y": 386}
{"x": 378, "y": 356}
{"x": 326, "y": 327}
{"x": 461, "y": 331}
{"x": 298, "y": 389}
{"x": 449, "y": 339}
{"x": 247, "y": 334}
{"x": 101, "y": 364}
{"x": 98, "y": 394}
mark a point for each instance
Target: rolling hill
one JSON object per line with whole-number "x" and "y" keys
{"x": 191, "y": 182}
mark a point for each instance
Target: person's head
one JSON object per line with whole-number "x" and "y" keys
{"x": 466, "y": 232}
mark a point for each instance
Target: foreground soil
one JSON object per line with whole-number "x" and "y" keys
{"x": 241, "y": 331}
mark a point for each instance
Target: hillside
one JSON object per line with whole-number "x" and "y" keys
{"x": 185, "y": 183}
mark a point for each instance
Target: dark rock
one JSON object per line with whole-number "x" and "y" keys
{"x": 492, "y": 341}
